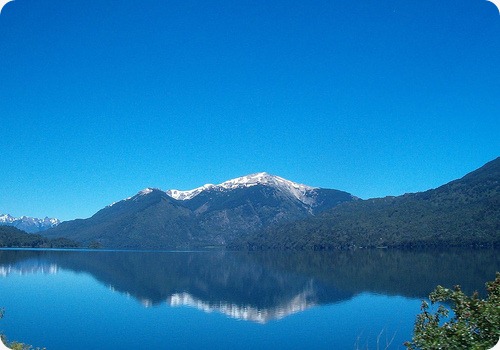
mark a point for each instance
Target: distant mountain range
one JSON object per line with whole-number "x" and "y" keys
{"x": 462, "y": 212}
{"x": 29, "y": 224}
{"x": 211, "y": 215}
{"x": 262, "y": 211}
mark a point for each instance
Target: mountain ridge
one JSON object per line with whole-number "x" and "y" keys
{"x": 262, "y": 178}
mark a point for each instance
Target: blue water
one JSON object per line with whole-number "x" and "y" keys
{"x": 140, "y": 300}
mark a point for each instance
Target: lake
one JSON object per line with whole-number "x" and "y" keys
{"x": 363, "y": 299}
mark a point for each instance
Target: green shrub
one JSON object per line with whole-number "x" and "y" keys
{"x": 475, "y": 324}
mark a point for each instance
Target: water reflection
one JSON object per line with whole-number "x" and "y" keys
{"x": 260, "y": 287}
{"x": 28, "y": 267}
{"x": 300, "y": 302}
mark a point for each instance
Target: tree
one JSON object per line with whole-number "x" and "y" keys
{"x": 475, "y": 323}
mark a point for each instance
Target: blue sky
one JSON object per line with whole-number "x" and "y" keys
{"x": 101, "y": 99}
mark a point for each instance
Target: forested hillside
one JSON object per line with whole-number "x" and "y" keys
{"x": 11, "y": 237}
{"x": 462, "y": 212}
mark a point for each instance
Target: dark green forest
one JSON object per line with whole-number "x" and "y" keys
{"x": 11, "y": 237}
{"x": 460, "y": 213}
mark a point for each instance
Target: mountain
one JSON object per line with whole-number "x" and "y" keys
{"x": 29, "y": 224}
{"x": 463, "y": 212}
{"x": 253, "y": 202}
{"x": 206, "y": 216}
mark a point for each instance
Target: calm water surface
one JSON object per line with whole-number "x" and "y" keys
{"x": 202, "y": 300}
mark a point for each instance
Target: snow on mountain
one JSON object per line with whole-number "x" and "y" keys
{"x": 297, "y": 190}
{"x": 186, "y": 195}
{"x": 7, "y": 219}
{"x": 145, "y": 191}
{"x": 29, "y": 224}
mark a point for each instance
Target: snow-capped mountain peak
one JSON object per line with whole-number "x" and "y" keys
{"x": 295, "y": 189}
{"x": 145, "y": 191}
{"x": 29, "y": 224}
{"x": 6, "y": 218}
{"x": 210, "y": 215}
{"x": 263, "y": 179}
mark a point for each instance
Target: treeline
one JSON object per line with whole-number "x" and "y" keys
{"x": 462, "y": 212}
{"x": 11, "y": 237}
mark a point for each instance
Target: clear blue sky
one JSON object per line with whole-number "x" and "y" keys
{"x": 99, "y": 99}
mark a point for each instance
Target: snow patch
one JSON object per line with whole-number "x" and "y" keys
{"x": 6, "y": 218}
{"x": 185, "y": 195}
{"x": 297, "y": 190}
{"x": 145, "y": 191}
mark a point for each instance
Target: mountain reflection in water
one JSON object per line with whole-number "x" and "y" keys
{"x": 260, "y": 287}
